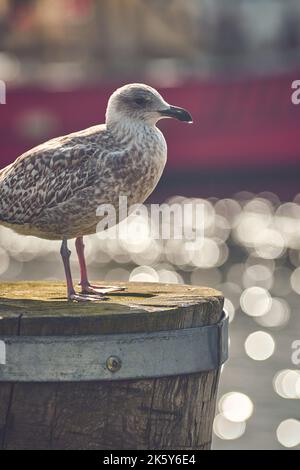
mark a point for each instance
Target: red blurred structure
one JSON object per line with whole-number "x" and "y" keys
{"x": 238, "y": 124}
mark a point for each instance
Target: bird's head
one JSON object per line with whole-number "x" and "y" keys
{"x": 141, "y": 103}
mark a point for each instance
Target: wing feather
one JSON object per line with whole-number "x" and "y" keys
{"x": 52, "y": 174}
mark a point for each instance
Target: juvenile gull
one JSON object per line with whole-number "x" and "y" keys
{"x": 53, "y": 190}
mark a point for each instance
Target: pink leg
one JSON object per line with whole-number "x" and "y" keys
{"x": 65, "y": 254}
{"x": 86, "y": 287}
{"x": 82, "y": 263}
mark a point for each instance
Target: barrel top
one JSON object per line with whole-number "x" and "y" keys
{"x": 40, "y": 308}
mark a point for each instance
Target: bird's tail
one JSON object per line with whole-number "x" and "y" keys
{"x": 3, "y": 172}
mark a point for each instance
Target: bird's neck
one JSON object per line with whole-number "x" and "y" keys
{"x": 132, "y": 131}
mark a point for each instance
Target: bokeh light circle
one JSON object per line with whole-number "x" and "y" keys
{"x": 259, "y": 346}
{"x": 228, "y": 430}
{"x": 288, "y": 433}
{"x": 236, "y": 406}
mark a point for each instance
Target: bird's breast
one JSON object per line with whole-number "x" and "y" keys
{"x": 146, "y": 165}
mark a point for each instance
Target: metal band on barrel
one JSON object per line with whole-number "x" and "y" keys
{"x": 114, "y": 357}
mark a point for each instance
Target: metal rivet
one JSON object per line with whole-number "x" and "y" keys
{"x": 114, "y": 363}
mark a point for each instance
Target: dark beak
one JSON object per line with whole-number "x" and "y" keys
{"x": 177, "y": 113}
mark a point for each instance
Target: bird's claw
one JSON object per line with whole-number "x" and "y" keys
{"x": 101, "y": 290}
{"x": 91, "y": 293}
{"x": 84, "y": 297}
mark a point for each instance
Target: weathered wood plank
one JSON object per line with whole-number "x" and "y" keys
{"x": 166, "y": 413}
{"x": 182, "y": 407}
{"x": 9, "y": 325}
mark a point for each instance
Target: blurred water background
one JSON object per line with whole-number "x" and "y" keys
{"x": 232, "y": 64}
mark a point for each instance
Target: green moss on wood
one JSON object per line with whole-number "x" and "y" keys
{"x": 43, "y": 309}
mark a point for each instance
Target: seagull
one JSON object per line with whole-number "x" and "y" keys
{"x": 53, "y": 190}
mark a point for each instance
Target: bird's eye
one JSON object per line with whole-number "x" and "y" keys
{"x": 140, "y": 101}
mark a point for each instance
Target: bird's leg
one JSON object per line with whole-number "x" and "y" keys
{"x": 82, "y": 263}
{"x": 86, "y": 287}
{"x": 65, "y": 254}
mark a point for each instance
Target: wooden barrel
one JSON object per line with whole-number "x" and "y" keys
{"x": 137, "y": 371}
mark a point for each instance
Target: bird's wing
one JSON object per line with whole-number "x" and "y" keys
{"x": 50, "y": 175}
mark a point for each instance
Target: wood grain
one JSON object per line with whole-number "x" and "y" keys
{"x": 164, "y": 413}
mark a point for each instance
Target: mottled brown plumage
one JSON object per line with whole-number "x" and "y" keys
{"x": 53, "y": 191}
